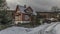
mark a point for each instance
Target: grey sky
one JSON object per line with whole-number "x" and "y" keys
{"x": 43, "y": 4}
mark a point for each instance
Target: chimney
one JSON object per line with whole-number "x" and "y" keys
{"x": 17, "y": 7}
{"x": 24, "y": 6}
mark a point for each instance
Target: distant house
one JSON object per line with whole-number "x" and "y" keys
{"x": 48, "y": 14}
{"x": 22, "y": 14}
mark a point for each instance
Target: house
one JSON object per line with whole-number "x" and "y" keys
{"x": 22, "y": 14}
{"x": 48, "y": 14}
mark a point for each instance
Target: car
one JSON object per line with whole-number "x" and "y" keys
{"x": 49, "y": 20}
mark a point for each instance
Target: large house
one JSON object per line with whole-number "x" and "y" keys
{"x": 22, "y": 14}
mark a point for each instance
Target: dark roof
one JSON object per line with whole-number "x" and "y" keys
{"x": 21, "y": 8}
{"x": 48, "y": 11}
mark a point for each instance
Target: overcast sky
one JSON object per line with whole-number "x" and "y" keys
{"x": 43, "y": 4}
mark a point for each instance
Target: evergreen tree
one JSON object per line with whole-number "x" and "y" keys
{"x": 55, "y": 8}
{"x": 1, "y": 2}
{"x": 4, "y": 18}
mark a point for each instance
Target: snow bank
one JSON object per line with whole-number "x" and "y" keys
{"x": 57, "y": 29}
{"x": 40, "y": 29}
{"x": 22, "y": 30}
{"x": 53, "y": 28}
{"x": 14, "y": 30}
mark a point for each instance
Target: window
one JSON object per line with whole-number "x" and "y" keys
{"x": 18, "y": 11}
{"x": 16, "y": 17}
{"x": 26, "y": 17}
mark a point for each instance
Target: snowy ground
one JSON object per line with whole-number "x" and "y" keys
{"x": 53, "y": 28}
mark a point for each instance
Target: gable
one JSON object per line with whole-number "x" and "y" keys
{"x": 22, "y": 9}
{"x": 28, "y": 10}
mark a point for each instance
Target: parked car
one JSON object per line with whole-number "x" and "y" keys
{"x": 49, "y": 20}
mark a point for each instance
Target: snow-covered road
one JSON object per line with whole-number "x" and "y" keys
{"x": 53, "y": 28}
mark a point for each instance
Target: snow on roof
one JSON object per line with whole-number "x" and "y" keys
{"x": 11, "y": 9}
{"x": 22, "y": 8}
{"x": 34, "y": 13}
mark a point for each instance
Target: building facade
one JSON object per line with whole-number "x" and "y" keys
{"x": 22, "y": 14}
{"x": 49, "y": 14}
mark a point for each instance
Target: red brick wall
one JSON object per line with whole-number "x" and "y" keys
{"x": 21, "y": 17}
{"x": 48, "y": 15}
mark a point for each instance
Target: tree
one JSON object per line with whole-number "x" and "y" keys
{"x": 4, "y": 18}
{"x": 3, "y": 4}
{"x": 55, "y": 8}
{"x": 1, "y": 1}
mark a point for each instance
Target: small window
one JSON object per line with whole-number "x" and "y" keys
{"x": 16, "y": 17}
{"x": 26, "y": 17}
{"x": 18, "y": 11}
